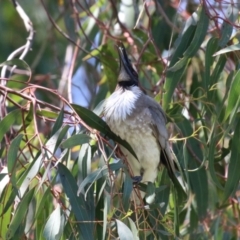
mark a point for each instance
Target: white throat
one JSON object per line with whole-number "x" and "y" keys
{"x": 121, "y": 103}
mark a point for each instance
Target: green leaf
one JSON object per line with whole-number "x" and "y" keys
{"x": 200, "y": 33}
{"x": 230, "y": 16}
{"x": 172, "y": 78}
{"x": 176, "y": 213}
{"x": 8, "y": 121}
{"x": 12, "y": 157}
{"x": 46, "y": 113}
{"x": 59, "y": 122}
{"x": 5, "y": 214}
{"x": 212, "y": 148}
{"x": 61, "y": 136}
{"x": 233, "y": 96}
{"x": 99, "y": 173}
{"x": 198, "y": 178}
{"x": 231, "y": 48}
{"x": 75, "y": 140}
{"x": 234, "y": 165}
{"x": 94, "y": 53}
{"x": 10, "y": 200}
{"x": 31, "y": 172}
{"x": 217, "y": 73}
{"x": 79, "y": 207}
{"x": 53, "y": 225}
{"x": 127, "y": 190}
{"x": 92, "y": 120}
{"x": 209, "y": 59}
{"x": 84, "y": 161}
{"x": 189, "y": 44}
{"x": 20, "y": 214}
{"x": 42, "y": 203}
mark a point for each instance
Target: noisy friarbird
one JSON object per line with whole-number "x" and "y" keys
{"x": 140, "y": 120}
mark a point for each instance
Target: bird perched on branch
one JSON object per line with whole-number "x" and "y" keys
{"x": 140, "y": 120}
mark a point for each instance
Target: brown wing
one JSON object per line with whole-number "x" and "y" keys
{"x": 160, "y": 132}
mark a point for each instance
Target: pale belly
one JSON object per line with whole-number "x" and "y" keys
{"x": 133, "y": 124}
{"x": 139, "y": 135}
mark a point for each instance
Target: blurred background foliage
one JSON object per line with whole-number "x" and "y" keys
{"x": 60, "y": 174}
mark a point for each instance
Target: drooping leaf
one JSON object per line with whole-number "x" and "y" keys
{"x": 209, "y": 59}
{"x": 58, "y": 123}
{"x": 234, "y": 165}
{"x": 127, "y": 190}
{"x": 233, "y": 96}
{"x": 99, "y": 173}
{"x": 5, "y": 213}
{"x": 189, "y": 44}
{"x": 198, "y": 178}
{"x": 96, "y": 122}
{"x": 20, "y": 214}
{"x": 230, "y": 16}
{"x": 124, "y": 232}
{"x": 12, "y": 157}
{"x": 231, "y": 48}
{"x": 30, "y": 173}
{"x": 53, "y": 225}
{"x": 79, "y": 206}
{"x": 8, "y": 121}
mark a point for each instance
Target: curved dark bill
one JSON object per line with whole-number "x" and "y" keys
{"x": 125, "y": 62}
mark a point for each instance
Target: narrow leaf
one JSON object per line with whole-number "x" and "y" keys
{"x": 230, "y": 16}
{"x": 198, "y": 179}
{"x": 234, "y": 165}
{"x": 80, "y": 207}
{"x": 94, "y": 176}
{"x": 20, "y": 214}
{"x": 123, "y": 230}
{"x": 12, "y": 156}
{"x": 231, "y": 48}
{"x": 75, "y": 140}
{"x": 8, "y": 121}
{"x": 92, "y": 120}
{"x": 234, "y": 95}
{"x": 52, "y": 227}
{"x": 58, "y": 123}
{"x": 127, "y": 190}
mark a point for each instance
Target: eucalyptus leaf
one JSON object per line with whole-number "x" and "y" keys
{"x": 92, "y": 120}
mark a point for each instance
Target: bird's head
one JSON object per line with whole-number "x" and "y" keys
{"x": 127, "y": 74}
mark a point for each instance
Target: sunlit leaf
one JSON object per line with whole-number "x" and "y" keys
{"x": 75, "y": 140}
{"x": 124, "y": 232}
{"x": 53, "y": 224}
{"x": 20, "y": 214}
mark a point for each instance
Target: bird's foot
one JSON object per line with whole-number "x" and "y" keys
{"x": 137, "y": 179}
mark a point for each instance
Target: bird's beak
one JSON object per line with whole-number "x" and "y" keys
{"x": 126, "y": 73}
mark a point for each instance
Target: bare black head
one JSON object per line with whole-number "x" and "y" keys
{"x": 127, "y": 75}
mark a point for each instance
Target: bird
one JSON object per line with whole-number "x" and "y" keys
{"x": 138, "y": 119}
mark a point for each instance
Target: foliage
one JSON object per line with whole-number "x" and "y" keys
{"x": 61, "y": 175}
